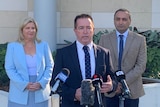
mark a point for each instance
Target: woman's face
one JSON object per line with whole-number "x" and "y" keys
{"x": 29, "y": 31}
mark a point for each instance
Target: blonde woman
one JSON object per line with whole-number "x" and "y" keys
{"x": 29, "y": 65}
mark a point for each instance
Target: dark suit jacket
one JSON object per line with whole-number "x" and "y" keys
{"x": 67, "y": 57}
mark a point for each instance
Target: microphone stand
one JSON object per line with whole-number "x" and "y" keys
{"x": 99, "y": 97}
{"x": 122, "y": 98}
{"x": 121, "y": 101}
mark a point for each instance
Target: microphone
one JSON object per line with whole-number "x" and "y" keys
{"x": 61, "y": 77}
{"x": 121, "y": 78}
{"x": 87, "y": 90}
{"x": 97, "y": 82}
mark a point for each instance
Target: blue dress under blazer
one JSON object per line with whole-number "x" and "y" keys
{"x": 16, "y": 68}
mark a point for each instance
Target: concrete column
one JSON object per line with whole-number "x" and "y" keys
{"x": 45, "y": 15}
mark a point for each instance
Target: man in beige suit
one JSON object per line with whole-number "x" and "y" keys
{"x": 133, "y": 60}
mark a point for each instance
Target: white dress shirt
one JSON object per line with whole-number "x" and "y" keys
{"x": 81, "y": 57}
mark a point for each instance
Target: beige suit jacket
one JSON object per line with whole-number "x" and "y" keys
{"x": 133, "y": 60}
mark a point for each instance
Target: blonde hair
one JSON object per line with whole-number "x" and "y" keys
{"x": 23, "y": 24}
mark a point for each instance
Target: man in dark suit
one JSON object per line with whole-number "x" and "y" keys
{"x": 72, "y": 57}
{"x": 133, "y": 60}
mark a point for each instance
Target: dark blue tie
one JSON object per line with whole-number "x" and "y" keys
{"x": 120, "y": 51}
{"x": 87, "y": 63}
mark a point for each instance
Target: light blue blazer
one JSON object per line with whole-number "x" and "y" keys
{"x": 16, "y": 68}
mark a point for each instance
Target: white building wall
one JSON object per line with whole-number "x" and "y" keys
{"x": 11, "y": 14}
{"x": 145, "y": 15}
{"x": 155, "y": 14}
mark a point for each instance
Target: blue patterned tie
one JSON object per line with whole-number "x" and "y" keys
{"x": 87, "y": 63}
{"x": 120, "y": 51}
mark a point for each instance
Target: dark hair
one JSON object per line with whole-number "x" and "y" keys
{"x": 123, "y": 10}
{"x": 81, "y": 16}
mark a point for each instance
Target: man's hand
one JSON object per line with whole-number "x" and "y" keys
{"x": 78, "y": 94}
{"x": 119, "y": 89}
{"x": 107, "y": 86}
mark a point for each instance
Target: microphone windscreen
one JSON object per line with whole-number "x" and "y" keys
{"x": 87, "y": 91}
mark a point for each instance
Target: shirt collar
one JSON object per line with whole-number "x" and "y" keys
{"x": 125, "y": 34}
{"x": 80, "y": 45}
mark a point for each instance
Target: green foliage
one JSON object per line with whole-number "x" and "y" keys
{"x": 67, "y": 42}
{"x": 153, "y": 63}
{"x": 153, "y": 54}
{"x": 53, "y": 54}
{"x": 97, "y": 36}
{"x": 4, "y": 80}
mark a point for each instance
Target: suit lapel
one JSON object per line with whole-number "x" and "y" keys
{"x": 129, "y": 41}
{"x": 74, "y": 58}
{"x": 96, "y": 56}
{"x": 114, "y": 44}
{"x": 19, "y": 55}
{"x": 39, "y": 53}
